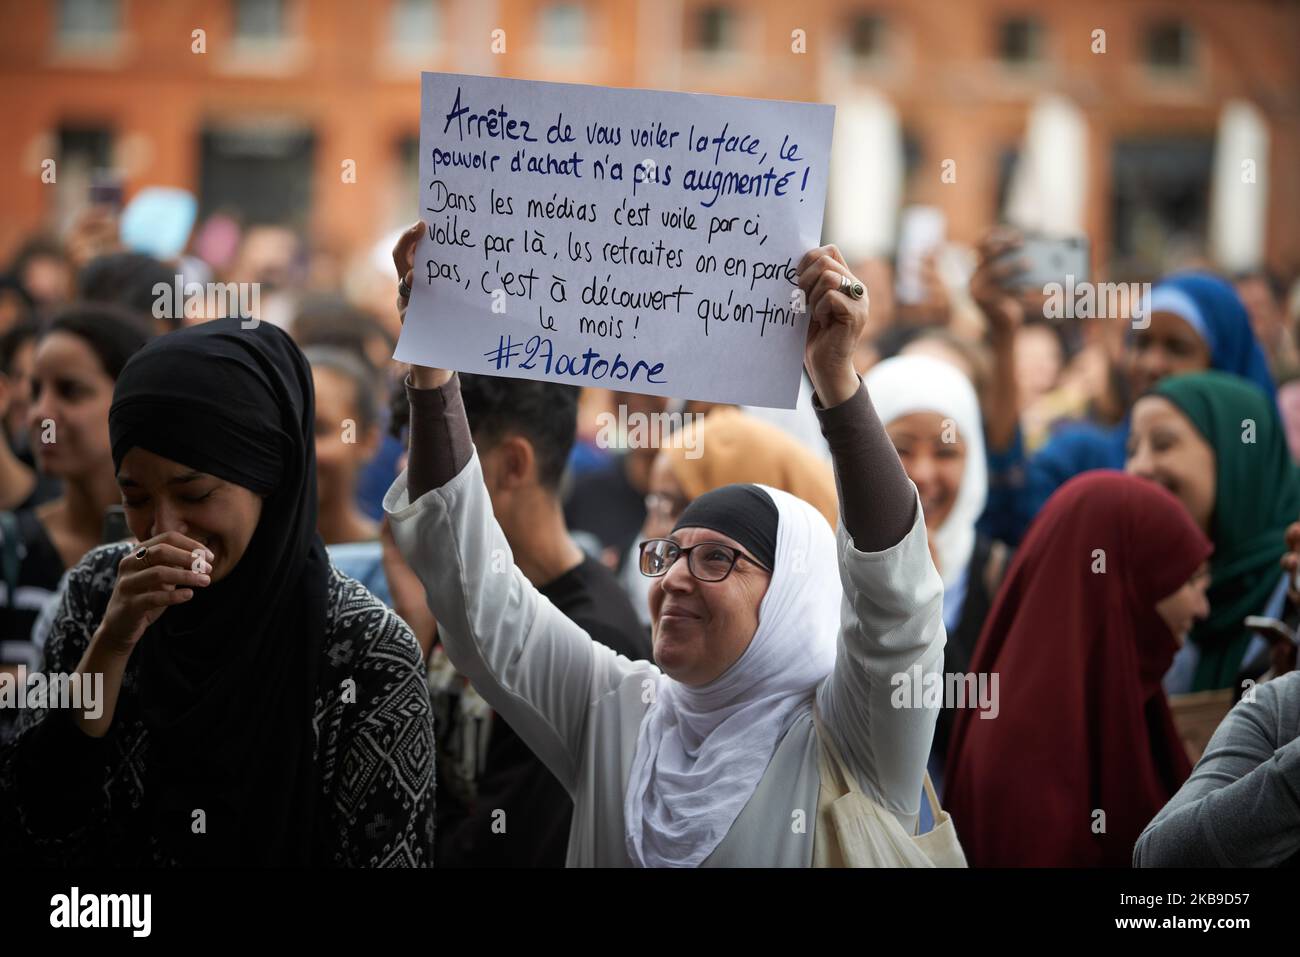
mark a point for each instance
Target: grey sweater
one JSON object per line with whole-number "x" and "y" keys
{"x": 1241, "y": 806}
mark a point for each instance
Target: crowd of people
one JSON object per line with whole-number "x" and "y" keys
{"x": 347, "y": 612}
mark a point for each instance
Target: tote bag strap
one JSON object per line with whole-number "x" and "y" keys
{"x": 849, "y": 780}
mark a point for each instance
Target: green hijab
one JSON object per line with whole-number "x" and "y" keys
{"x": 1257, "y": 495}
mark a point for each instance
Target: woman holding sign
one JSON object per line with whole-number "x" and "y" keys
{"x": 765, "y": 651}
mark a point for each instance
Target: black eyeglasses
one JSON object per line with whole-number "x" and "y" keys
{"x": 707, "y": 561}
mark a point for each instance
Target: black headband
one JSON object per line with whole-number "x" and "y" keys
{"x": 744, "y": 513}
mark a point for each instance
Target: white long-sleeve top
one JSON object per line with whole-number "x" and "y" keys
{"x": 579, "y": 705}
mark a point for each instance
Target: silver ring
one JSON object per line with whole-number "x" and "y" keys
{"x": 403, "y": 290}
{"x": 852, "y": 288}
{"x": 142, "y": 555}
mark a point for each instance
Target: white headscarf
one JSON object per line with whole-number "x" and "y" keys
{"x": 701, "y": 751}
{"x": 906, "y": 384}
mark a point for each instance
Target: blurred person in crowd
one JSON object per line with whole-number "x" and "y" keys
{"x": 21, "y": 485}
{"x": 1264, "y": 296}
{"x": 77, "y": 361}
{"x": 1193, "y": 321}
{"x": 609, "y": 502}
{"x": 43, "y": 271}
{"x": 726, "y": 447}
{"x": 18, "y": 351}
{"x": 328, "y": 319}
{"x": 523, "y": 432}
{"x": 325, "y": 319}
{"x": 137, "y": 282}
{"x": 347, "y": 434}
{"x": 1288, "y": 406}
{"x": 1039, "y": 356}
{"x": 932, "y": 416}
{"x": 242, "y": 674}
{"x": 16, "y": 306}
{"x": 703, "y": 757}
{"x": 938, "y": 343}
{"x": 1217, "y": 443}
{"x": 272, "y": 257}
{"x": 1109, "y": 579}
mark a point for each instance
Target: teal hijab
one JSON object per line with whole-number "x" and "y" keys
{"x": 1257, "y": 495}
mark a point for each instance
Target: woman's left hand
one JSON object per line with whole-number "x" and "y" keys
{"x": 837, "y": 322}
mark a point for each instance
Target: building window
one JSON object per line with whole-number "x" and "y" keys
{"x": 564, "y": 26}
{"x": 1170, "y": 46}
{"x": 715, "y": 29}
{"x": 1020, "y": 41}
{"x": 415, "y": 24}
{"x": 85, "y": 147}
{"x": 88, "y": 23}
{"x": 1159, "y": 199}
{"x": 83, "y": 151}
{"x": 264, "y": 173}
{"x": 866, "y": 37}
{"x": 259, "y": 21}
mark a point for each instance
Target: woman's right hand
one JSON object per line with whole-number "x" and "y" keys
{"x": 404, "y": 262}
{"x": 172, "y": 568}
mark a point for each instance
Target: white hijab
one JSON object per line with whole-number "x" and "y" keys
{"x": 701, "y": 751}
{"x": 906, "y": 384}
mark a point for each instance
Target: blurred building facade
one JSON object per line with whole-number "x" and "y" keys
{"x": 258, "y": 106}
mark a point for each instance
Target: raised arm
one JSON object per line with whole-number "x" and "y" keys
{"x": 532, "y": 664}
{"x": 891, "y": 617}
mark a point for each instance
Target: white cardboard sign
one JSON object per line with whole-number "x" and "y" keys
{"x": 628, "y": 239}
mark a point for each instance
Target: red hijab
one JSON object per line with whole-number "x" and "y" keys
{"x": 1083, "y": 724}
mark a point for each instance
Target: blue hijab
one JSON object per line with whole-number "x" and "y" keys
{"x": 1212, "y": 307}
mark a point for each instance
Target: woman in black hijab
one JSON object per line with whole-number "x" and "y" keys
{"x": 258, "y": 707}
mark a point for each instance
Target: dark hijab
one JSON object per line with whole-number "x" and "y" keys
{"x": 228, "y": 679}
{"x": 1083, "y": 723}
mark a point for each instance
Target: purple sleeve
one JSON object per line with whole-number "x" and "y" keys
{"x": 877, "y": 499}
{"x": 440, "y": 438}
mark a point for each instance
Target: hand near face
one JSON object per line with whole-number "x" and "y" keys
{"x": 158, "y": 573}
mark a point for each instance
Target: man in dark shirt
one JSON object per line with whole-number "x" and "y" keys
{"x": 498, "y": 805}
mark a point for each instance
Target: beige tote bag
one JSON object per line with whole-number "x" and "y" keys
{"x": 855, "y": 831}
